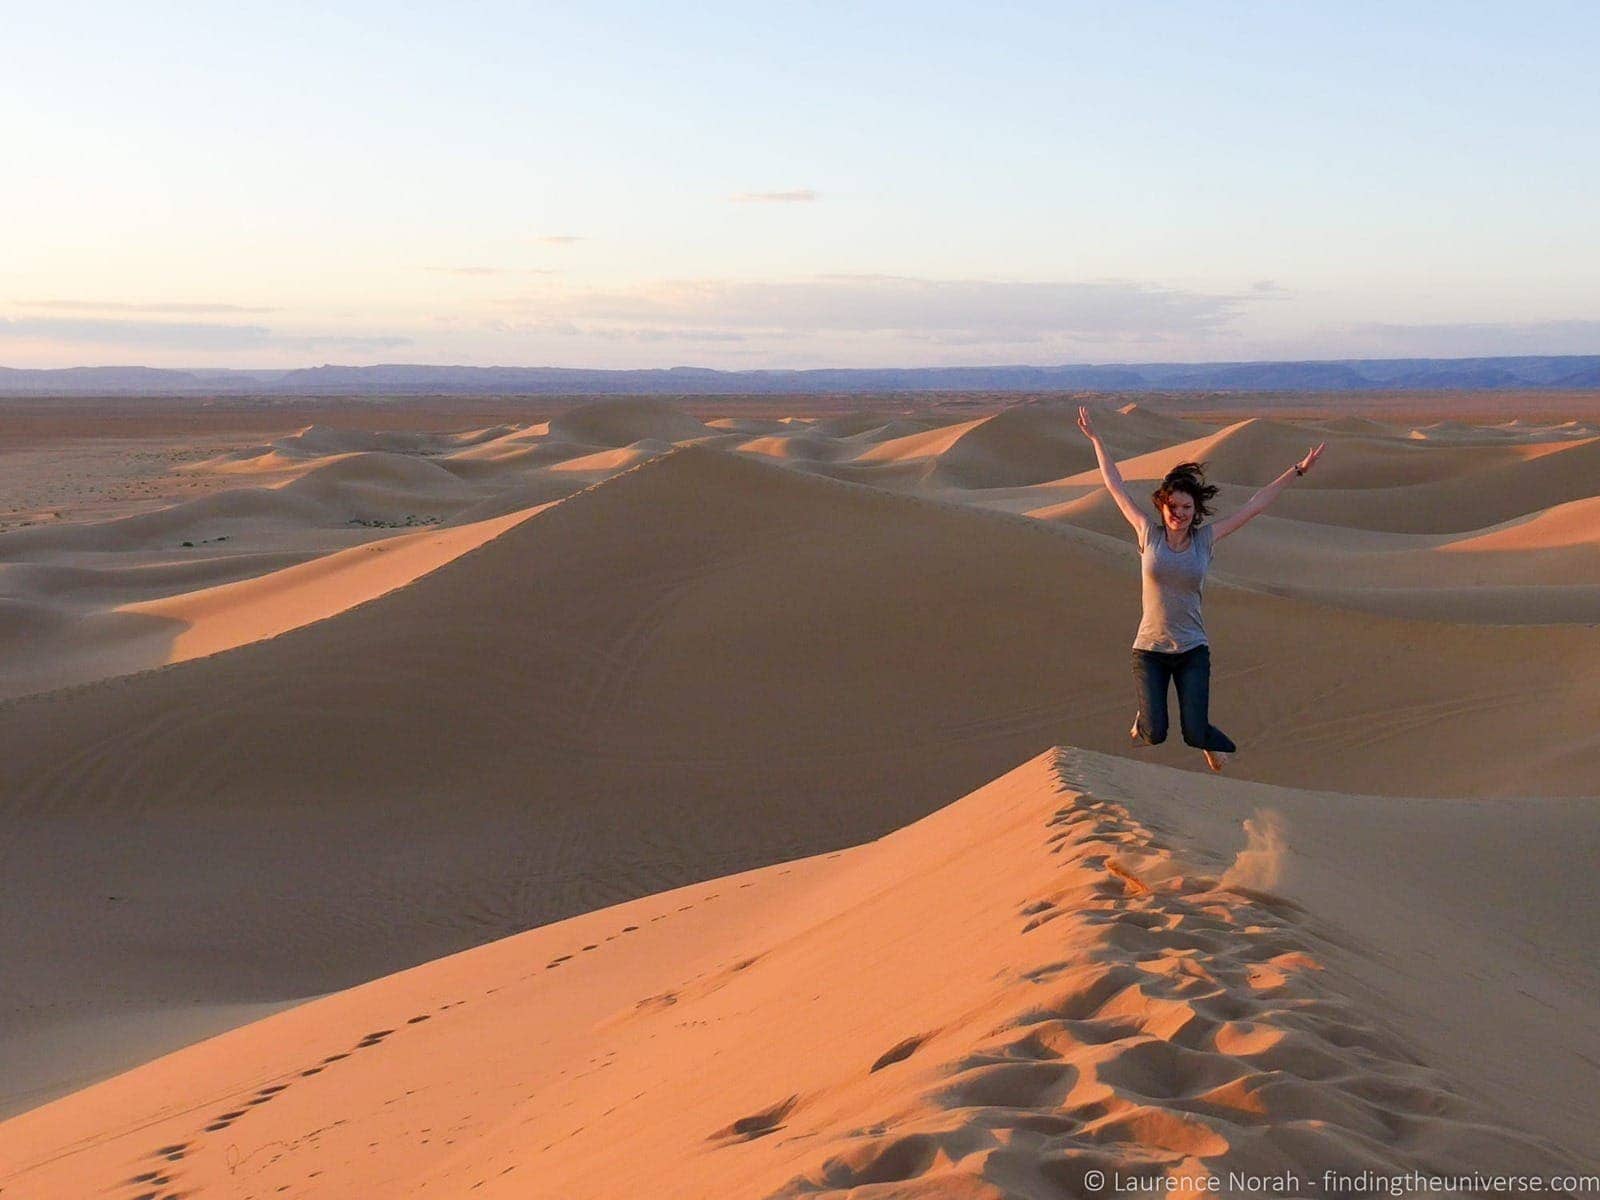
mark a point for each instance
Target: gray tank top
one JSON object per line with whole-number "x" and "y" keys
{"x": 1172, "y": 583}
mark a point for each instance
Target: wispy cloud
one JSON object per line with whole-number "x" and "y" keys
{"x": 353, "y": 343}
{"x": 488, "y": 271}
{"x": 611, "y": 333}
{"x": 793, "y": 196}
{"x": 152, "y": 334}
{"x": 955, "y": 312}
{"x": 176, "y": 335}
{"x": 176, "y": 309}
{"x": 560, "y": 239}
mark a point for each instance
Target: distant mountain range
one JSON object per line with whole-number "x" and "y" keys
{"x": 1351, "y": 375}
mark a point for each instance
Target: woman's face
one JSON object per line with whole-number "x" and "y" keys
{"x": 1178, "y": 511}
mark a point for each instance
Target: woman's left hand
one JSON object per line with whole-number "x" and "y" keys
{"x": 1310, "y": 460}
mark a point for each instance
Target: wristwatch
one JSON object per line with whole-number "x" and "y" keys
{"x": 1299, "y": 470}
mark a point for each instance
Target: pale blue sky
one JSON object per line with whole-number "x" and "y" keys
{"x": 988, "y": 183}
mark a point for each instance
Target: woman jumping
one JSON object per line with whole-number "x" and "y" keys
{"x": 1174, "y": 554}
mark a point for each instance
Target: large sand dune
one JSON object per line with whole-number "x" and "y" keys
{"x": 405, "y": 694}
{"x": 1029, "y": 985}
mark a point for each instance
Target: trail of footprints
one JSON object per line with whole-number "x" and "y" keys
{"x": 156, "y": 1184}
{"x": 1193, "y": 1016}
{"x": 1183, "y": 1022}
{"x": 160, "y": 1178}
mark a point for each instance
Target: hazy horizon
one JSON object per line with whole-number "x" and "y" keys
{"x": 1131, "y": 364}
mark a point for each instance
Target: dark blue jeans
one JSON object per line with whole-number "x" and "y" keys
{"x": 1190, "y": 672}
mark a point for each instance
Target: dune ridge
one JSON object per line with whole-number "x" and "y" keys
{"x": 1500, "y": 530}
{"x": 1028, "y": 984}
{"x": 409, "y": 694}
{"x": 465, "y": 752}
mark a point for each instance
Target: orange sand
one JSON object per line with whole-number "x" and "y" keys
{"x": 407, "y": 695}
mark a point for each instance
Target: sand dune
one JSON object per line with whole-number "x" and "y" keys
{"x": 1019, "y": 445}
{"x": 604, "y": 463}
{"x": 1361, "y": 426}
{"x": 532, "y": 491}
{"x": 1256, "y": 451}
{"x": 1534, "y": 478}
{"x": 1461, "y": 433}
{"x": 1140, "y": 419}
{"x": 432, "y": 690}
{"x": 897, "y": 427}
{"x": 758, "y": 426}
{"x": 74, "y": 586}
{"x": 1077, "y": 967}
{"x": 907, "y": 476}
{"x": 510, "y": 458}
{"x": 1544, "y": 567}
{"x": 370, "y": 485}
{"x": 620, "y": 422}
{"x": 235, "y": 614}
{"x": 50, "y": 648}
{"x": 812, "y": 446}
{"x": 1377, "y": 485}
{"x": 915, "y": 445}
{"x": 223, "y": 515}
{"x": 1537, "y": 569}
{"x": 88, "y": 601}
{"x": 851, "y": 424}
{"x": 471, "y": 746}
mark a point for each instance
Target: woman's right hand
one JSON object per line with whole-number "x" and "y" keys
{"x": 1084, "y": 423}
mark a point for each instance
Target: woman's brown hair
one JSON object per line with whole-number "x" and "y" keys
{"x": 1189, "y": 478}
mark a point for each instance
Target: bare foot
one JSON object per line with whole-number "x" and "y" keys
{"x": 1215, "y": 759}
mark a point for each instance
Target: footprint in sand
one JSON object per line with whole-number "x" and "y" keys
{"x": 221, "y": 1121}
{"x": 1049, "y": 914}
{"x": 266, "y": 1095}
{"x": 152, "y": 1180}
{"x": 747, "y": 1129}
{"x": 899, "y": 1052}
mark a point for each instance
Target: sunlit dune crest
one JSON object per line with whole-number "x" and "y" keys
{"x": 981, "y": 1003}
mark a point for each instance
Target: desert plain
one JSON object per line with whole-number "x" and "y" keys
{"x": 719, "y": 798}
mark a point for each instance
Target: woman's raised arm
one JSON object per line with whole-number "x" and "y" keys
{"x": 1109, "y": 472}
{"x": 1258, "y": 503}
